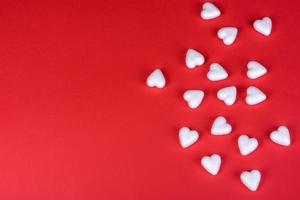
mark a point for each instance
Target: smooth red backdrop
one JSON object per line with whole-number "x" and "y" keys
{"x": 78, "y": 122}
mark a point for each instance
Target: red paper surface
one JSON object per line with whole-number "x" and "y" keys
{"x": 78, "y": 121}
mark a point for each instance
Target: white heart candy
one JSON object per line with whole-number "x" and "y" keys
{"x": 227, "y": 94}
{"x": 263, "y": 26}
{"x": 156, "y": 79}
{"x": 211, "y": 163}
{"x": 228, "y": 34}
{"x": 209, "y": 11}
{"x": 254, "y": 96}
{"x": 220, "y": 127}
{"x": 193, "y": 58}
{"x": 247, "y": 145}
{"x": 281, "y": 136}
{"x": 251, "y": 179}
{"x": 187, "y": 137}
{"x": 216, "y": 72}
{"x": 193, "y": 98}
{"x": 255, "y": 69}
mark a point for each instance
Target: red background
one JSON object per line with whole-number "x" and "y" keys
{"x": 78, "y": 122}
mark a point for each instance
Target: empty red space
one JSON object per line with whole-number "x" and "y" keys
{"x": 77, "y": 120}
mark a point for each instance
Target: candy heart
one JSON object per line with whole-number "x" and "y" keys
{"x": 247, "y": 145}
{"x": 251, "y": 179}
{"x": 281, "y": 136}
{"x": 255, "y": 69}
{"x": 209, "y": 11}
{"x": 193, "y": 98}
{"x": 216, "y": 72}
{"x": 220, "y": 127}
{"x": 193, "y": 58}
{"x": 228, "y": 95}
{"x": 211, "y": 163}
{"x": 227, "y": 34}
{"x": 254, "y": 96}
{"x": 156, "y": 79}
{"x": 263, "y": 26}
{"x": 187, "y": 137}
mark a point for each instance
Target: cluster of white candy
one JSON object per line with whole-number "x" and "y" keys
{"x": 220, "y": 126}
{"x": 217, "y": 72}
{"x": 229, "y": 34}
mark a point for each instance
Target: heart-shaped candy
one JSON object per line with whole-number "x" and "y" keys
{"x": 216, "y": 72}
{"x": 251, "y": 179}
{"x": 263, "y": 26}
{"x": 247, "y": 145}
{"x": 156, "y": 79}
{"x": 227, "y": 94}
{"x": 193, "y": 98}
{"x": 228, "y": 34}
{"x": 211, "y": 163}
{"x": 281, "y": 136}
{"x": 255, "y": 69}
{"x": 254, "y": 96}
{"x": 193, "y": 59}
{"x": 209, "y": 11}
{"x": 187, "y": 137}
{"x": 220, "y": 126}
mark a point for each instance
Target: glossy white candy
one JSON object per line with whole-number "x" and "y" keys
{"x": 187, "y": 137}
{"x": 193, "y": 98}
{"x": 255, "y": 69}
{"x": 251, "y": 179}
{"x": 209, "y": 11}
{"x": 211, "y": 163}
{"x": 193, "y": 58}
{"x": 228, "y": 95}
{"x": 220, "y": 127}
{"x": 263, "y": 26}
{"x": 281, "y": 136}
{"x": 247, "y": 145}
{"x": 254, "y": 96}
{"x": 228, "y": 34}
{"x": 156, "y": 79}
{"x": 216, "y": 72}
